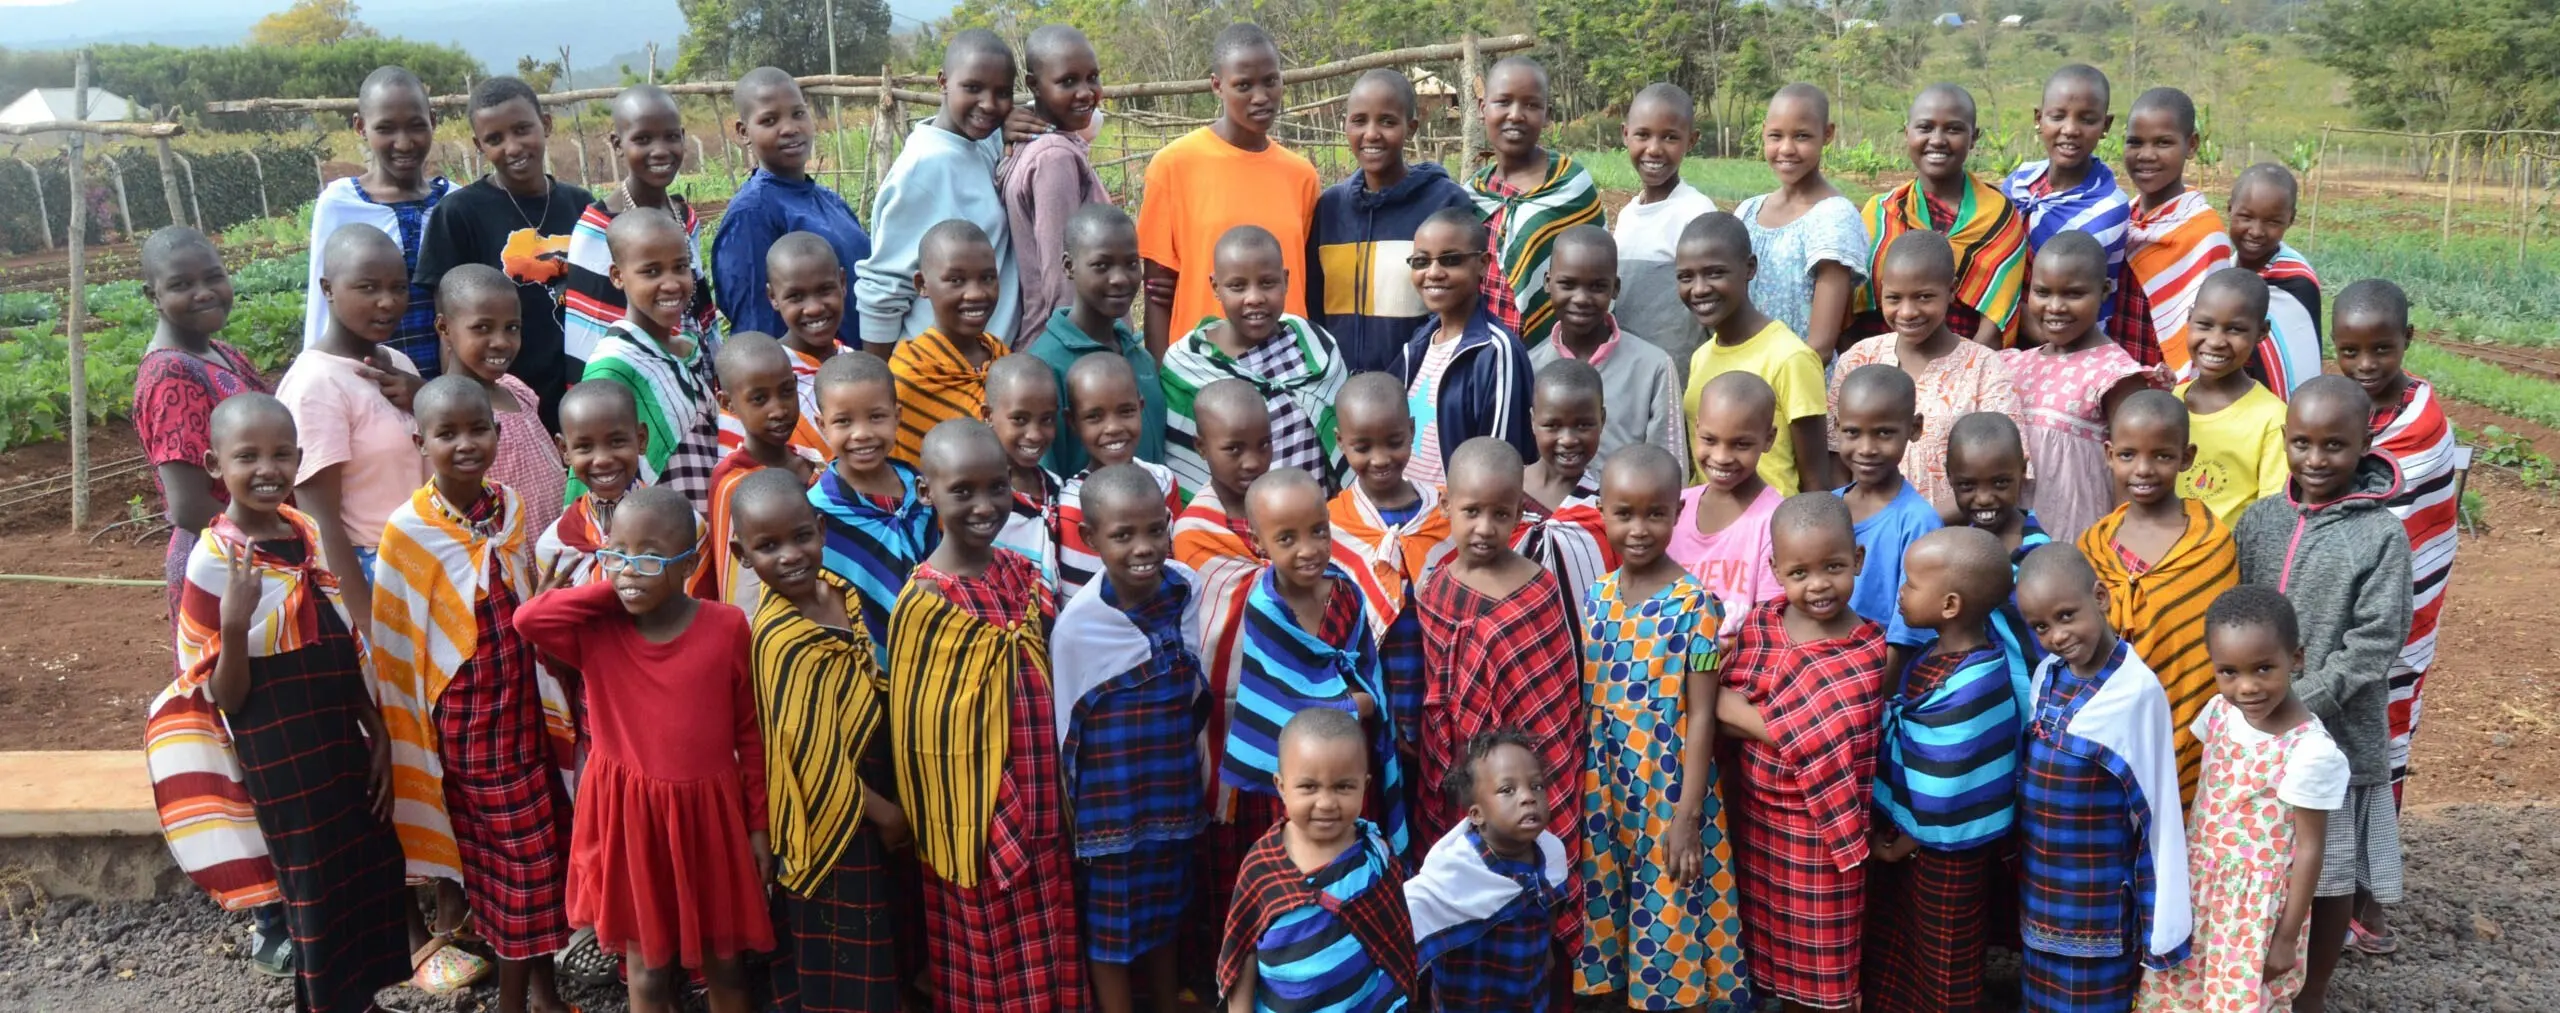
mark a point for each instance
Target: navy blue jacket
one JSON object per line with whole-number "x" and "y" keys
{"x": 1486, "y": 390}
{"x": 1358, "y": 287}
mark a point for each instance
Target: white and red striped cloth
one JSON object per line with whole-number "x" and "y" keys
{"x": 2419, "y": 438}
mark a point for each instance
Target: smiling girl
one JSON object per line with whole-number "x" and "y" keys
{"x": 394, "y": 194}
{"x": 648, "y": 133}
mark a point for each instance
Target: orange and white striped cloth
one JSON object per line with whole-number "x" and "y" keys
{"x": 196, "y": 780}
{"x": 2168, "y": 252}
{"x": 1388, "y": 562}
{"x": 1207, "y": 539}
{"x": 427, "y": 587}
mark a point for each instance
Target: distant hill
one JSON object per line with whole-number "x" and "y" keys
{"x": 601, "y": 35}
{"x": 495, "y": 33}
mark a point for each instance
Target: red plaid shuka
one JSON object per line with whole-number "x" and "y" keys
{"x": 1801, "y": 841}
{"x": 1008, "y": 944}
{"x": 510, "y": 815}
{"x": 1269, "y": 885}
{"x": 1488, "y": 664}
{"x": 1933, "y": 909}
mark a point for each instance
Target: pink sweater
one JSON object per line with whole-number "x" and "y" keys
{"x": 1043, "y": 186}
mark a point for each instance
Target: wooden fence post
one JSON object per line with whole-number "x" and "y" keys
{"x": 2319, "y": 172}
{"x": 44, "y": 218}
{"x": 169, "y": 182}
{"x": 76, "y": 308}
{"x": 2452, "y": 166}
{"x": 124, "y": 204}
{"x": 1470, "y": 121}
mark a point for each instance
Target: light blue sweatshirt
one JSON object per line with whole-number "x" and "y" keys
{"x": 939, "y": 175}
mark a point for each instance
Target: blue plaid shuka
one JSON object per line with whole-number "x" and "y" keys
{"x": 1506, "y": 966}
{"x": 1133, "y": 744}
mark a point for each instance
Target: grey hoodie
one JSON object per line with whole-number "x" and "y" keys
{"x": 2345, "y": 567}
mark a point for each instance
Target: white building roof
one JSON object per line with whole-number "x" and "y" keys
{"x": 39, "y": 105}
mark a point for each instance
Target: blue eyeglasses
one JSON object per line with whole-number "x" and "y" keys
{"x": 640, "y": 564}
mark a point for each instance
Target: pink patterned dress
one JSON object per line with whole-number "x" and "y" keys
{"x": 2063, "y": 402}
{"x": 528, "y": 460}
{"x": 1968, "y": 379}
{"x": 2239, "y": 851}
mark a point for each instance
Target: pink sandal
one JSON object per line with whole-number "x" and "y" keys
{"x": 2370, "y": 943}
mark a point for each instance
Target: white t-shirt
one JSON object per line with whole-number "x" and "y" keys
{"x": 1422, "y": 401}
{"x": 2315, "y": 775}
{"x": 1652, "y": 231}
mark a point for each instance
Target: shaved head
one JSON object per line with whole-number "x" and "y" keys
{"x": 1879, "y": 387}
{"x": 1486, "y": 457}
{"x": 1742, "y": 390}
{"x": 607, "y": 403}
{"x": 1394, "y": 84}
{"x": 2180, "y": 108}
{"x": 1646, "y": 465}
{"x": 240, "y": 411}
{"x": 1815, "y": 98}
{"x": 1719, "y": 231}
{"x": 639, "y": 225}
{"x": 2080, "y": 75}
{"x": 468, "y": 282}
{"x": 1098, "y": 223}
{"x": 955, "y": 444}
{"x": 1465, "y": 219}
{"x": 1568, "y": 378}
{"x": 166, "y": 245}
{"x": 1974, "y": 563}
{"x": 1231, "y": 402}
{"x": 1120, "y": 487}
{"x": 1010, "y": 374}
{"x": 2242, "y": 282}
{"x": 355, "y": 243}
{"x": 2332, "y": 391}
{"x": 2057, "y": 562}
{"x": 748, "y": 353}
{"x": 1814, "y": 513}
{"x": 448, "y": 396}
{"x": 642, "y": 100}
{"x": 801, "y": 248}
{"x": 1240, "y": 244}
{"x": 1088, "y": 371}
{"x": 2267, "y": 174}
{"x": 973, "y": 44}
{"x": 1949, "y": 94}
{"x": 846, "y": 371}
{"x": 947, "y": 237}
{"x": 1589, "y": 241}
{"x": 1371, "y": 395}
{"x": 1237, "y": 39}
{"x": 2375, "y": 299}
{"x": 1050, "y": 42}
{"x": 2152, "y": 407}
{"x": 1991, "y": 432}
{"x": 387, "y": 84}
{"x": 755, "y": 84}
{"x": 1516, "y": 65}
{"x": 655, "y": 505}
{"x": 1320, "y": 724}
{"x": 1923, "y": 251}
{"x": 1277, "y": 487}
{"x": 1666, "y": 96}
{"x": 768, "y": 491}
{"x": 2072, "y": 250}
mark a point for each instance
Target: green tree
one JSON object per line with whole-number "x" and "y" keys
{"x": 310, "y": 23}
{"x": 2446, "y": 64}
{"x": 540, "y": 75}
{"x": 724, "y": 38}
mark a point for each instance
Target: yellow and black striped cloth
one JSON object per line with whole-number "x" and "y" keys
{"x": 951, "y": 687}
{"x": 819, "y": 694}
{"x": 2161, "y": 610}
{"x": 936, "y": 383}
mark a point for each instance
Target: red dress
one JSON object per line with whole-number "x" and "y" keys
{"x": 673, "y": 781}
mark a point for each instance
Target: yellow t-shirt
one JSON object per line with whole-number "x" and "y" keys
{"x": 2239, "y": 453}
{"x": 1200, "y": 186}
{"x": 1793, "y": 371}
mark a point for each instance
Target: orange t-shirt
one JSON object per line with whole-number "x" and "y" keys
{"x": 1200, "y": 186}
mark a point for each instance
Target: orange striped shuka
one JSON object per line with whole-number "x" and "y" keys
{"x": 1990, "y": 240}
{"x": 936, "y": 383}
{"x": 2160, "y": 611}
{"x": 2168, "y": 252}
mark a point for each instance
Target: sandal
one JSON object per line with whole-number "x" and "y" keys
{"x": 2370, "y": 943}
{"x": 441, "y": 968}
{"x": 586, "y": 962}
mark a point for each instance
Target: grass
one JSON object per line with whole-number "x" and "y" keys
{"x": 2461, "y": 378}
